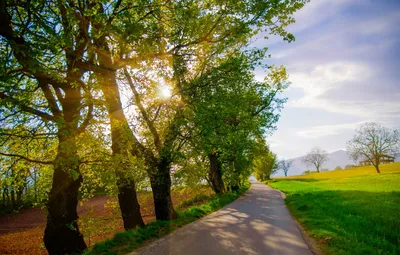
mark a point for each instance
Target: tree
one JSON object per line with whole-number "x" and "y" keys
{"x": 175, "y": 41}
{"x": 285, "y": 165}
{"x": 372, "y": 142}
{"x": 230, "y": 109}
{"x": 265, "y": 163}
{"x": 43, "y": 88}
{"x": 338, "y": 168}
{"x": 316, "y": 157}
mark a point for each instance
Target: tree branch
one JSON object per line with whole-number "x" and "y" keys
{"x": 45, "y": 116}
{"x": 27, "y": 159}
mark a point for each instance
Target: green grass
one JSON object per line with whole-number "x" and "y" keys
{"x": 124, "y": 242}
{"x": 354, "y": 211}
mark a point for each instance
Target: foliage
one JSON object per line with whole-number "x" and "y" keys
{"x": 372, "y": 142}
{"x": 265, "y": 163}
{"x": 124, "y": 242}
{"x": 81, "y": 109}
{"x": 348, "y": 211}
{"x": 316, "y": 157}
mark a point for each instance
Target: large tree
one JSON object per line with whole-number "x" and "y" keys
{"x": 285, "y": 165}
{"x": 43, "y": 88}
{"x": 372, "y": 142}
{"x": 316, "y": 157}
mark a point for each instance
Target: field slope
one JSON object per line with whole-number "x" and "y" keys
{"x": 355, "y": 211}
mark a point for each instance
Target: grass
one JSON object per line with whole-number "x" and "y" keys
{"x": 355, "y": 211}
{"x": 127, "y": 241}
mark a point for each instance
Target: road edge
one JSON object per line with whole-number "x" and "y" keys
{"x": 311, "y": 242}
{"x": 155, "y": 241}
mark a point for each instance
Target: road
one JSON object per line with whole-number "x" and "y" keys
{"x": 256, "y": 223}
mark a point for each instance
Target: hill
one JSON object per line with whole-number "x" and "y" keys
{"x": 352, "y": 211}
{"x": 336, "y": 158}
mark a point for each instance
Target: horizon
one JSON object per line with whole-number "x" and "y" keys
{"x": 342, "y": 69}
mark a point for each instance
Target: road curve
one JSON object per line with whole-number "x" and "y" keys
{"x": 256, "y": 223}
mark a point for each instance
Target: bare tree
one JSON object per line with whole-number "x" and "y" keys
{"x": 373, "y": 142}
{"x": 285, "y": 165}
{"x": 316, "y": 157}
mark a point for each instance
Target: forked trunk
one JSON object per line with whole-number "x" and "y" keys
{"x": 62, "y": 234}
{"x": 215, "y": 174}
{"x": 161, "y": 185}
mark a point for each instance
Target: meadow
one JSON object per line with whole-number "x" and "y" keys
{"x": 354, "y": 211}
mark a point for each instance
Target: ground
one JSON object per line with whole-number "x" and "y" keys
{"x": 22, "y": 232}
{"x": 256, "y": 223}
{"x": 353, "y": 211}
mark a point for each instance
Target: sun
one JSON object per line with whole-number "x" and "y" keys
{"x": 165, "y": 92}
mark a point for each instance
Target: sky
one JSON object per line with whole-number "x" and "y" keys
{"x": 344, "y": 69}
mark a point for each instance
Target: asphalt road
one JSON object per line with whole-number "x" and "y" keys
{"x": 256, "y": 223}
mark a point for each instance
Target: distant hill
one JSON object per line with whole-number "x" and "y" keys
{"x": 336, "y": 158}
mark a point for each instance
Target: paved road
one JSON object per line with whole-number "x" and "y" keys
{"x": 256, "y": 223}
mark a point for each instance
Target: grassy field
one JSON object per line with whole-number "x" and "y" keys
{"x": 355, "y": 211}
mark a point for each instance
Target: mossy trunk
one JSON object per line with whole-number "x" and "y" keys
{"x": 215, "y": 173}
{"x": 62, "y": 234}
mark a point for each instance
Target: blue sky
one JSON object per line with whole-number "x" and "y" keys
{"x": 345, "y": 70}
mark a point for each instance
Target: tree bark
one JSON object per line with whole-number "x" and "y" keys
{"x": 160, "y": 181}
{"x": 62, "y": 234}
{"x": 215, "y": 173}
{"x": 120, "y": 135}
{"x": 13, "y": 205}
{"x": 377, "y": 168}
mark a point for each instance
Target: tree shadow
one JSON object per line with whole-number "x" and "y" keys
{"x": 256, "y": 223}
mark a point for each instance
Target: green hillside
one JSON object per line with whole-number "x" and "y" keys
{"x": 355, "y": 211}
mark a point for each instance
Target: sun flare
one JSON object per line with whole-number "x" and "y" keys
{"x": 165, "y": 92}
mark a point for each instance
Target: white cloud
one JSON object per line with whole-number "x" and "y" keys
{"x": 327, "y": 130}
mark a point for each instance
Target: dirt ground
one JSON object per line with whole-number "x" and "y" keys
{"x": 99, "y": 219}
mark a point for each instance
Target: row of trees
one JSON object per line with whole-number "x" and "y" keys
{"x": 81, "y": 107}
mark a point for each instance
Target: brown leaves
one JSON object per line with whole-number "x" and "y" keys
{"x": 99, "y": 219}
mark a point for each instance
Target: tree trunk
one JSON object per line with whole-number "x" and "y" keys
{"x": 128, "y": 204}
{"x": 127, "y": 197}
{"x": 160, "y": 181}
{"x": 377, "y": 169}
{"x": 120, "y": 132}
{"x": 20, "y": 192}
{"x": 215, "y": 174}
{"x": 62, "y": 235}
{"x": 120, "y": 135}
{"x": 13, "y": 205}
